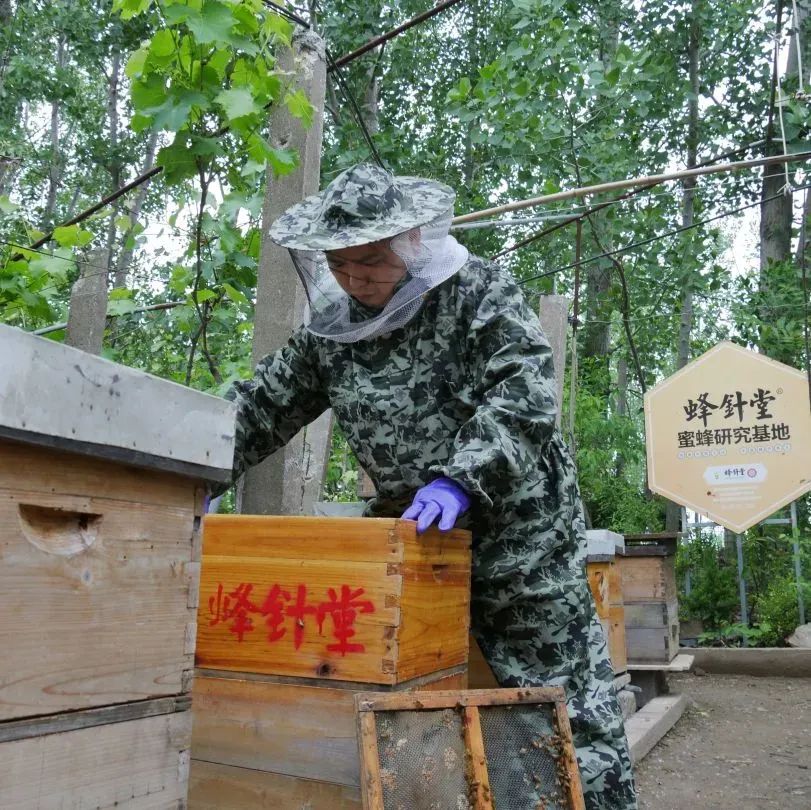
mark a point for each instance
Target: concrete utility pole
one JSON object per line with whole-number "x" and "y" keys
{"x": 290, "y": 481}
{"x": 554, "y": 315}
{"x": 87, "y": 316}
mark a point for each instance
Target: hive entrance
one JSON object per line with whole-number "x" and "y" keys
{"x": 490, "y": 749}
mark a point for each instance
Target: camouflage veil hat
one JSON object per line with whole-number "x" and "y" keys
{"x": 363, "y": 204}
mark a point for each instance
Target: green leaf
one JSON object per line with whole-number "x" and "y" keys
{"x": 242, "y": 73}
{"x": 123, "y": 223}
{"x": 135, "y": 64}
{"x": 6, "y": 206}
{"x": 237, "y": 102}
{"x": 246, "y": 17}
{"x": 219, "y": 61}
{"x": 174, "y": 113}
{"x": 57, "y": 265}
{"x": 276, "y": 27}
{"x": 148, "y": 94}
{"x": 162, "y": 48}
{"x": 139, "y": 122}
{"x": 178, "y": 162}
{"x": 72, "y": 236}
{"x": 212, "y": 24}
{"x": 299, "y": 107}
{"x": 234, "y": 294}
{"x": 282, "y": 161}
{"x": 178, "y": 13}
{"x": 121, "y": 305}
{"x": 130, "y": 8}
{"x": 204, "y": 295}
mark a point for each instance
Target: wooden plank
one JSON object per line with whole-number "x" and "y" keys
{"x": 295, "y": 728}
{"x": 137, "y": 765}
{"x": 371, "y": 788}
{"x": 314, "y": 618}
{"x": 87, "y": 718}
{"x": 66, "y": 475}
{"x": 647, "y": 726}
{"x": 648, "y": 579}
{"x": 95, "y": 591}
{"x": 53, "y": 393}
{"x": 435, "y": 604}
{"x": 302, "y": 538}
{"x": 651, "y": 614}
{"x": 570, "y": 775}
{"x": 225, "y": 787}
{"x": 475, "y": 760}
{"x": 456, "y": 674}
{"x": 616, "y": 633}
{"x": 615, "y": 589}
{"x": 598, "y": 576}
{"x": 681, "y": 663}
{"x": 649, "y": 646}
{"x": 480, "y": 676}
{"x": 448, "y": 699}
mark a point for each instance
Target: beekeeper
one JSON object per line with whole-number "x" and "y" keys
{"x": 441, "y": 380}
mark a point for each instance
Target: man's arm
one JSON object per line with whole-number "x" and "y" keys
{"x": 285, "y": 394}
{"x": 511, "y": 361}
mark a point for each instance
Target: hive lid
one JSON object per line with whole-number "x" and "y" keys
{"x": 57, "y": 396}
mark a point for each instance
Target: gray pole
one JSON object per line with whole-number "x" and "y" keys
{"x": 290, "y": 481}
{"x": 87, "y": 316}
{"x": 685, "y": 533}
{"x": 554, "y": 316}
{"x": 798, "y": 571}
{"x": 741, "y": 583}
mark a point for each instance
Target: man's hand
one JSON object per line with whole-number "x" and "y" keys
{"x": 443, "y": 499}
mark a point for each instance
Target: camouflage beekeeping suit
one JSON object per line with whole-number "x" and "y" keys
{"x": 466, "y": 390}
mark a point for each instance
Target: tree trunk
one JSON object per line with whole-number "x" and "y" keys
{"x": 673, "y": 510}
{"x": 371, "y": 98}
{"x": 622, "y": 405}
{"x": 776, "y": 214}
{"x": 290, "y": 481}
{"x": 596, "y": 330}
{"x": 114, "y": 166}
{"x": 127, "y": 252}
{"x": 55, "y": 170}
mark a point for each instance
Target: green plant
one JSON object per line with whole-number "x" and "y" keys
{"x": 734, "y": 635}
{"x": 713, "y": 596}
{"x": 778, "y": 609}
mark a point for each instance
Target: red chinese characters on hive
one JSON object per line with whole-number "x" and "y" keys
{"x": 241, "y": 606}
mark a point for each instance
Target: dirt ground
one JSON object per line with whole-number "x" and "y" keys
{"x": 743, "y": 743}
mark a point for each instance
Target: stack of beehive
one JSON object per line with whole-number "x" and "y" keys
{"x": 651, "y": 598}
{"x": 102, "y": 473}
{"x": 297, "y": 615}
{"x": 606, "y": 584}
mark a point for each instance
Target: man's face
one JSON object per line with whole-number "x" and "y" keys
{"x": 369, "y": 273}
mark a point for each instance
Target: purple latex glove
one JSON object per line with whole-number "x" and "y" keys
{"x": 443, "y": 499}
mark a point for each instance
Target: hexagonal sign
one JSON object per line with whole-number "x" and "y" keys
{"x": 729, "y": 436}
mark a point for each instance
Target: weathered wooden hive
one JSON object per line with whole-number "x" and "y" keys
{"x": 651, "y": 597}
{"x": 605, "y": 580}
{"x": 102, "y": 476}
{"x": 298, "y": 614}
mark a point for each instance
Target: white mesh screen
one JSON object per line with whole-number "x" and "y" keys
{"x": 430, "y": 257}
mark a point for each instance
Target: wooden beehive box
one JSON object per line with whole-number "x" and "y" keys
{"x": 350, "y": 599}
{"x": 651, "y": 597}
{"x": 297, "y": 615}
{"x": 605, "y": 581}
{"x": 103, "y": 471}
